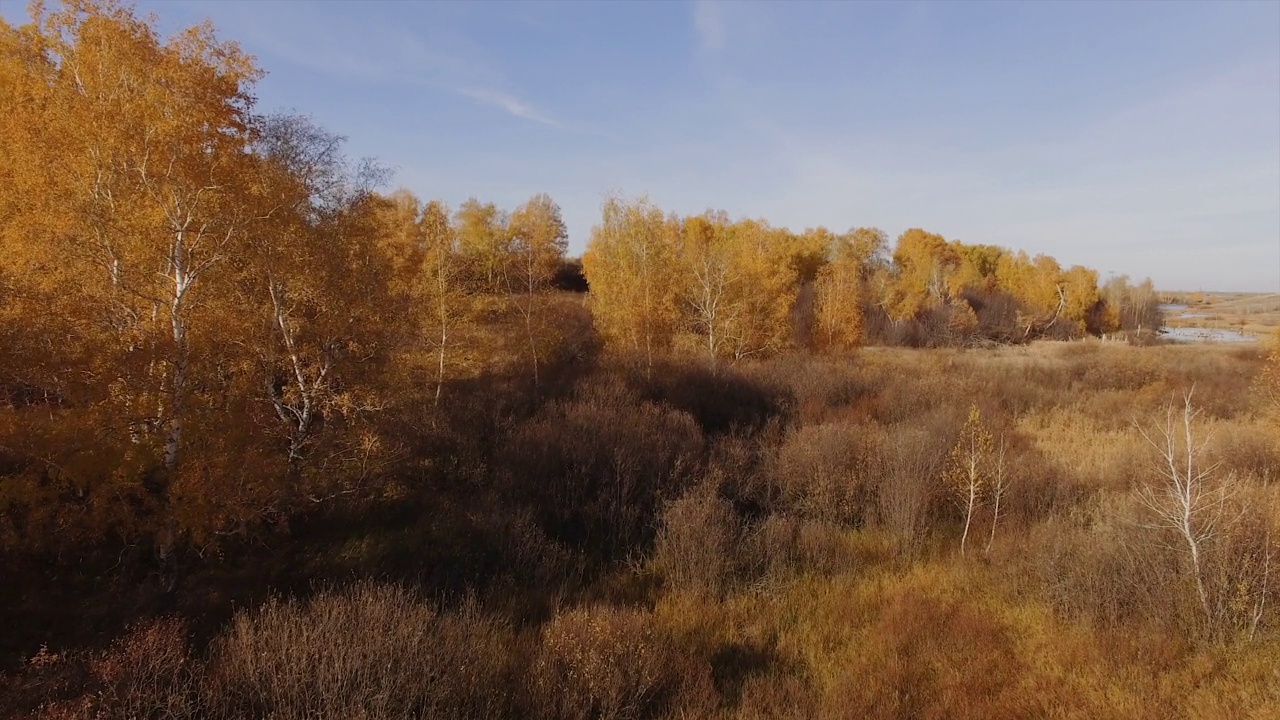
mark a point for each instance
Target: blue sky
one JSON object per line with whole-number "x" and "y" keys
{"x": 1134, "y": 137}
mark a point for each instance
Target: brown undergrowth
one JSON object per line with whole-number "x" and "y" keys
{"x": 768, "y": 541}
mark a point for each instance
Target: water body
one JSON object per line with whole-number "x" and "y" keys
{"x": 1176, "y": 311}
{"x": 1206, "y": 335}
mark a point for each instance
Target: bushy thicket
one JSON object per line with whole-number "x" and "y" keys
{"x": 785, "y": 546}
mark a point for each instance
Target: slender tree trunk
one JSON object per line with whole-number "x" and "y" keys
{"x": 442, "y": 299}
{"x": 533, "y": 347}
{"x": 995, "y": 518}
{"x": 648, "y": 320}
{"x": 998, "y": 489}
{"x": 1191, "y": 491}
{"x": 968, "y": 518}
{"x": 166, "y": 540}
{"x": 1193, "y": 552}
{"x": 178, "y": 359}
{"x": 300, "y": 416}
{"x": 440, "y": 356}
{"x": 177, "y": 406}
{"x": 711, "y": 348}
{"x": 648, "y": 354}
{"x": 531, "y": 286}
{"x": 1184, "y": 499}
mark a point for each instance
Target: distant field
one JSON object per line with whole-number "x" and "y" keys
{"x": 1255, "y": 313}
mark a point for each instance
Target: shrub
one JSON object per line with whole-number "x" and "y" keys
{"x": 598, "y": 468}
{"x": 783, "y": 547}
{"x": 1104, "y": 566}
{"x": 1115, "y": 371}
{"x": 697, "y": 543}
{"x": 825, "y": 472}
{"x": 1246, "y": 449}
{"x": 777, "y": 696}
{"x": 602, "y": 662}
{"x": 720, "y": 400}
{"x": 909, "y": 491}
{"x": 147, "y": 673}
{"x": 373, "y": 651}
{"x": 818, "y": 389}
{"x": 931, "y": 658}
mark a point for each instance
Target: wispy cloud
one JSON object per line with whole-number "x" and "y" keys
{"x": 508, "y": 103}
{"x": 709, "y": 22}
{"x": 444, "y": 59}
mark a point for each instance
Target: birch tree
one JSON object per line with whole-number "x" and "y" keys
{"x": 332, "y": 277}
{"x": 923, "y": 264}
{"x": 443, "y": 288}
{"x": 538, "y": 242}
{"x": 838, "y": 296}
{"x": 134, "y": 157}
{"x": 766, "y": 291}
{"x": 711, "y": 279}
{"x": 1001, "y": 480}
{"x": 969, "y": 472}
{"x": 1191, "y": 498}
{"x": 631, "y": 265}
{"x": 484, "y": 241}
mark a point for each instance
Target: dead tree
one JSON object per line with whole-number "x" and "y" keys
{"x": 1189, "y": 498}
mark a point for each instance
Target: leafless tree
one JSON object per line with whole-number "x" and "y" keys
{"x": 1190, "y": 498}
{"x": 1000, "y": 481}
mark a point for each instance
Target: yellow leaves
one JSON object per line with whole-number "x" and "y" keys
{"x": 747, "y": 289}
{"x": 630, "y": 264}
{"x": 484, "y": 242}
{"x": 980, "y": 264}
{"x": 192, "y": 283}
{"x": 974, "y": 470}
{"x": 539, "y": 239}
{"x": 838, "y": 297}
{"x": 1132, "y": 307}
{"x": 924, "y": 263}
{"x": 731, "y": 285}
{"x": 1016, "y": 276}
{"x": 711, "y": 282}
{"x": 1080, "y": 297}
{"x": 971, "y": 459}
{"x": 760, "y": 300}
{"x": 847, "y": 283}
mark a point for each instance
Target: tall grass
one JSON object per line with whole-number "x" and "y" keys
{"x": 771, "y": 540}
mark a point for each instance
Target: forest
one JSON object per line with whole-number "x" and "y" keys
{"x": 279, "y": 442}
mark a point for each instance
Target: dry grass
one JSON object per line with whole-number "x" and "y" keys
{"x": 781, "y": 546}
{"x": 602, "y": 662}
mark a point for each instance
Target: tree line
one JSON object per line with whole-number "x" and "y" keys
{"x": 732, "y": 290}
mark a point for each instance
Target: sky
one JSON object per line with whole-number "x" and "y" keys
{"x": 1137, "y": 138}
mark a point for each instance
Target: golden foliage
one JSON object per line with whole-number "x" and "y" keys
{"x": 201, "y": 298}
{"x": 631, "y": 265}
{"x": 840, "y": 291}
